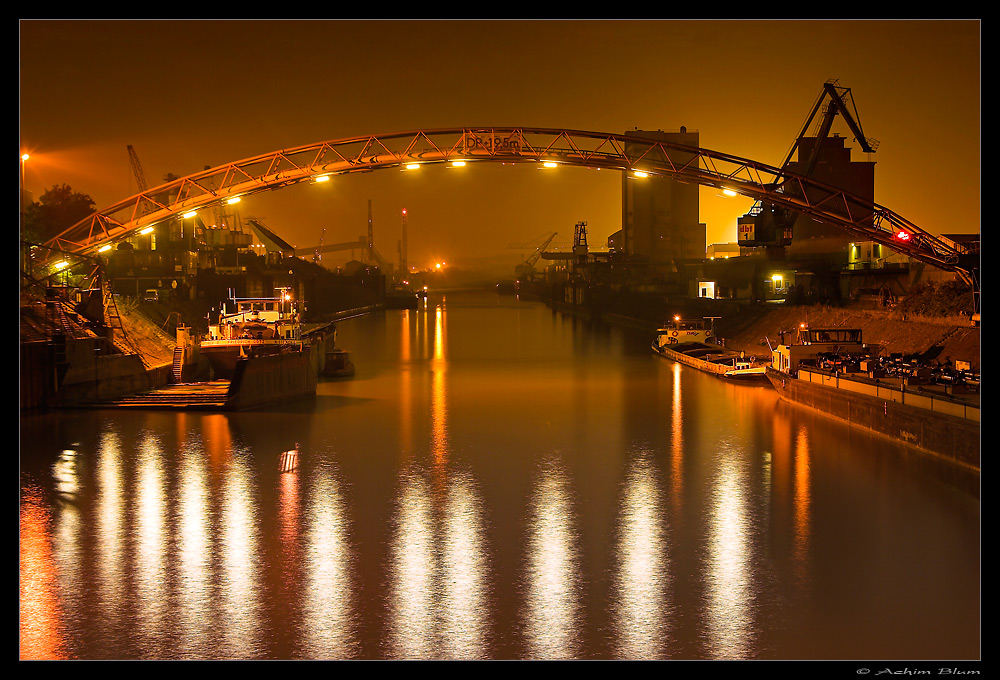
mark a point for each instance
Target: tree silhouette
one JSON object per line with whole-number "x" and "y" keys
{"x": 56, "y": 210}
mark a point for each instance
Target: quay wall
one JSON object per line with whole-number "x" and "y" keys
{"x": 949, "y": 436}
{"x": 271, "y": 379}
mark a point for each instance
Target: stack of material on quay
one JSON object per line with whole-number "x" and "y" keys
{"x": 959, "y": 341}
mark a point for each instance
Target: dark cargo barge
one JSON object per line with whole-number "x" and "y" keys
{"x": 939, "y": 422}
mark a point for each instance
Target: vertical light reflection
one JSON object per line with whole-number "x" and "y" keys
{"x": 552, "y": 615}
{"x": 438, "y": 393}
{"x": 405, "y": 387}
{"x": 404, "y": 336}
{"x": 150, "y": 540}
{"x": 240, "y": 591}
{"x": 464, "y": 609}
{"x": 193, "y": 593}
{"x": 802, "y": 502}
{"x": 42, "y": 633}
{"x": 67, "y": 551}
{"x": 729, "y": 594}
{"x": 640, "y": 599}
{"x": 328, "y": 624}
{"x": 676, "y": 443}
{"x": 110, "y": 525}
{"x": 411, "y": 626}
{"x": 288, "y": 522}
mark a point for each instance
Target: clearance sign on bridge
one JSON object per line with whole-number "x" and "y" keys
{"x": 629, "y": 153}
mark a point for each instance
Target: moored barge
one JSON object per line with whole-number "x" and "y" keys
{"x": 933, "y": 419}
{"x": 693, "y": 343}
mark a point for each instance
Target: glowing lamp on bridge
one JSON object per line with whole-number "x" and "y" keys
{"x": 902, "y": 235}
{"x": 147, "y": 230}
{"x": 550, "y": 164}
{"x": 104, "y": 248}
{"x": 677, "y": 317}
{"x": 322, "y": 178}
{"x": 188, "y": 215}
{"x": 25, "y": 157}
{"x": 458, "y": 164}
{"x": 413, "y": 166}
{"x": 437, "y": 266}
{"x": 728, "y": 192}
{"x": 640, "y": 173}
{"x": 234, "y": 199}
{"x": 61, "y": 264}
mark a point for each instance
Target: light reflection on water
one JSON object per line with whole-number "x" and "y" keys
{"x": 328, "y": 612}
{"x": 151, "y": 543}
{"x": 552, "y": 589}
{"x": 728, "y": 579}
{"x": 430, "y": 518}
{"x": 641, "y": 605}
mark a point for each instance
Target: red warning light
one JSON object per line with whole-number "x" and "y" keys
{"x": 404, "y": 211}
{"x": 902, "y": 236}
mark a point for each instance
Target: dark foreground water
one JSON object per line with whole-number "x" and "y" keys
{"x": 498, "y": 481}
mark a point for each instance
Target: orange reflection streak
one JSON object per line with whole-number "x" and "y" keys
{"x": 405, "y": 390}
{"x": 404, "y": 339}
{"x": 802, "y": 501}
{"x": 640, "y": 616}
{"x": 218, "y": 440}
{"x": 439, "y": 444}
{"x": 677, "y": 444}
{"x": 42, "y": 634}
{"x": 781, "y": 461}
{"x": 288, "y": 519}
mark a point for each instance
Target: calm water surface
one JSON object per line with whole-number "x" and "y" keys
{"x": 498, "y": 481}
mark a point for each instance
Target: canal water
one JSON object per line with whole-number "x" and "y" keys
{"x": 497, "y": 481}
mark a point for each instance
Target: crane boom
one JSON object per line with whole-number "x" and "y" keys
{"x": 772, "y": 224}
{"x": 140, "y": 177}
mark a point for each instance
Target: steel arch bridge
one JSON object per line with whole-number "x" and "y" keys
{"x": 625, "y": 152}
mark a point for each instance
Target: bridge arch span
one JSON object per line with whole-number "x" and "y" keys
{"x": 624, "y": 152}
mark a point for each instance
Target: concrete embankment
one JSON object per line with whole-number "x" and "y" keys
{"x": 958, "y": 340}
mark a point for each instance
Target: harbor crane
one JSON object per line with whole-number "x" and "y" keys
{"x": 140, "y": 177}
{"x": 772, "y": 224}
{"x": 527, "y": 268}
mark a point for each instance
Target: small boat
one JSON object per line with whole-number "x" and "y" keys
{"x": 257, "y": 327}
{"x": 693, "y": 343}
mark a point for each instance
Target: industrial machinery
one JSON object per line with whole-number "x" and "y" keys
{"x": 770, "y": 225}
{"x": 526, "y": 269}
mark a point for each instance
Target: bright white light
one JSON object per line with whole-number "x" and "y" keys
{"x": 147, "y": 230}
{"x": 25, "y": 157}
{"x": 103, "y": 249}
{"x": 549, "y": 164}
{"x": 458, "y": 164}
{"x": 322, "y": 178}
{"x": 62, "y": 264}
{"x": 234, "y": 199}
{"x": 729, "y": 192}
{"x": 640, "y": 173}
{"x": 413, "y": 166}
{"x": 189, "y": 214}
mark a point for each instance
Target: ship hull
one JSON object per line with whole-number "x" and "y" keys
{"x": 721, "y": 370}
{"x": 948, "y": 436}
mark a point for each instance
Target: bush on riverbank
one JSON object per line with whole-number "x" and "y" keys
{"x": 951, "y": 298}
